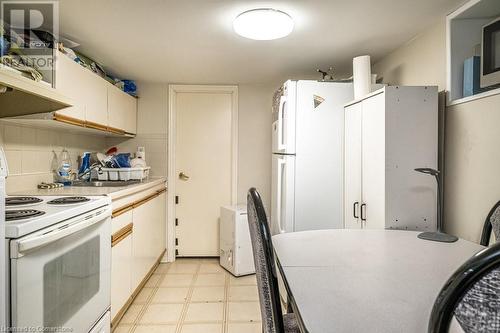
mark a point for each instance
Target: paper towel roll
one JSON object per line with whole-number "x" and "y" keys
{"x": 362, "y": 76}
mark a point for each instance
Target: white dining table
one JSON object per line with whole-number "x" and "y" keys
{"x": 365, "y": 280}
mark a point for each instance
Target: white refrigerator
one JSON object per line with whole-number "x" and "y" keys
{"x": 307, "y": 156}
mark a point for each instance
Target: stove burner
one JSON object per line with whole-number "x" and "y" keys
{"x": 13, "y": 215}
{"x": 18, "y": 201}
{"x": 68, "y": 200}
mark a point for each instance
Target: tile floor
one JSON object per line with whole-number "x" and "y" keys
{"x": 194, "y": 296}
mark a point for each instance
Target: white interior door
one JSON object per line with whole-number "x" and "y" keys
{"x": 373, "y": 162}
{"x": 352, "y": 179}
{"x": 203, "y": 169}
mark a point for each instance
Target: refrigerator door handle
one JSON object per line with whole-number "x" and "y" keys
{"x": 281, "y": 124}
{"x": 281, "y": 172}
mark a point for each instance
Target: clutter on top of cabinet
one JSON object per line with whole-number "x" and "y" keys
{"x": 326, "y": 75}
{"x": 23, "y": 65}
{"x": 127, "y": 86}
{"x": 361, "y": 72}
{"x": 12, "y": 54}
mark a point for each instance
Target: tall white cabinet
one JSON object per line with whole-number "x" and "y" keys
{"x": 388, "y": 134}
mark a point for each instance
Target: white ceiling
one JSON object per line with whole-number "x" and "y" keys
{"x": 191, "y": 41}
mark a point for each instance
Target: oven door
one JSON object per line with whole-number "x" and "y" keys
{"x": 61, "y": 276}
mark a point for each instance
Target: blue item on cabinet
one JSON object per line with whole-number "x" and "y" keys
{"x": 127, "y": 86}
{"x": 472, "y": 73}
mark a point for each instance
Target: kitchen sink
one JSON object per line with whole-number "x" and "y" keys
{"x": 106, "y": 183}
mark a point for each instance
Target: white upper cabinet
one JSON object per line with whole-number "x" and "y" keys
{"x": 68, "y": 83}
{"x": 96, "y": 100}
{"x": 122, "y": 110}
{"x": 98, "y": 104}
{"x": 388, "y": 134}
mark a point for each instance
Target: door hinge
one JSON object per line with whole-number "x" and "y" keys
{"x": 176, "y": 252}
{"x": 176, "y": 221}
{"x": 176, "y": 199}
{"x": 176, "y": 241}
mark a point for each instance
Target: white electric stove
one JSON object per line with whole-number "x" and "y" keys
{"x": 59, "y": 255}
{"x": 27, "y": 214}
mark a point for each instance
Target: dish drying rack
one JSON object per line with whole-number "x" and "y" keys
{"x": 122, "y": 174}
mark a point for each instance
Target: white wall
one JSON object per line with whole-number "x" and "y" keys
{"x": 254, "y": 151}
{"x": 472, "y": 156}
{"x": 472, "y": 165}
{"x": 254, "y": 139}
{"x": 151, "y": 127}
{"x": 421, "y": 61}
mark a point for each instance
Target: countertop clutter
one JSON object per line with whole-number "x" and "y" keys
{"x": 114, "y": 192}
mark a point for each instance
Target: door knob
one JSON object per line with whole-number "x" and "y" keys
{"x": 183, "y": 176}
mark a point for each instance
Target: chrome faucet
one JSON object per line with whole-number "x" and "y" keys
{"x": 96, "y": 166}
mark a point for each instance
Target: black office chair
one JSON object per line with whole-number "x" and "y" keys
{"x": 273, "y": 319}
{"x": 492, "y": 223}
{"x": 471, "y": 295}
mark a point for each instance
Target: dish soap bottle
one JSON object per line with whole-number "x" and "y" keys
{"x": 64, "y": 171}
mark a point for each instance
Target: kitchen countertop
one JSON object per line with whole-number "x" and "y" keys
{"x": 114, "y": 192}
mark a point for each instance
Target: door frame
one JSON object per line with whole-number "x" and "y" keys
{"x": 173, "y": 89}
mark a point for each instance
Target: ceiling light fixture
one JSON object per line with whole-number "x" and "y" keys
{"x": 263, "y": 24}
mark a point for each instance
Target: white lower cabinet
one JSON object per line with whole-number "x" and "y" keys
{"x": 138, "y": 241}
{"x": 143, "y": 256}
{"x": 121, "y": 274}
{"x": 159, "y": 238}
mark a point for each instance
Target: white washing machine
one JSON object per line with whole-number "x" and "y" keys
{"x": 235, "y": 245}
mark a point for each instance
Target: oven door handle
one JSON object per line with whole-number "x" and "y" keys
{"x": 79, "y": 224}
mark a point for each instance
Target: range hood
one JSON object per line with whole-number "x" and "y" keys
{"x": 22, "y": 96}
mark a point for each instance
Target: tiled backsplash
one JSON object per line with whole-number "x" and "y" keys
{"x": 30, "y": 152}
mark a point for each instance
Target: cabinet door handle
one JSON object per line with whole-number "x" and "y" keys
{"x": 363, "y": 212}
{"x": 354, "y": 210}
